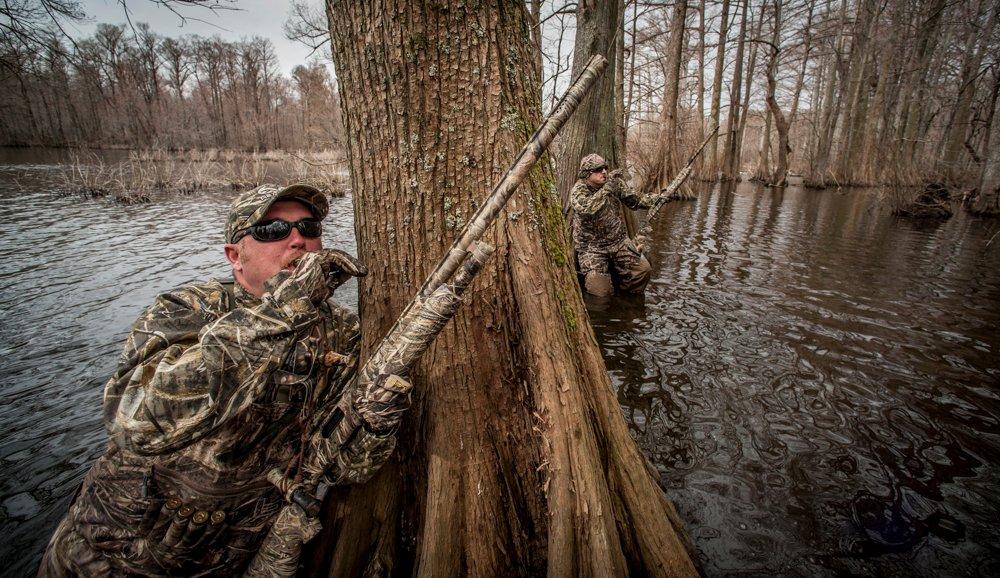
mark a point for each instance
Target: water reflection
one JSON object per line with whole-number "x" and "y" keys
{"x": 816, "y": 382}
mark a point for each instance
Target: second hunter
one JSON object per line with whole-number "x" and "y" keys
{"x": 601, "y": 241}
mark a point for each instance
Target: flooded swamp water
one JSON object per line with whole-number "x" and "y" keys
{"x": 816, "y": 381}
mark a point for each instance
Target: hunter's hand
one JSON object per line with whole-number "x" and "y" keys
{"x": 668, "y": 196}
{"x": 340, "y": 267}
{"x": 641, "y": 242}
{"x": 315, "y": 276}
{"x": 383, "y": 402}
{"x": 306, "y": 281}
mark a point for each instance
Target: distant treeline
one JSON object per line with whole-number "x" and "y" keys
{"x": 840, "y": 91}
{"x": 128, "y": 87}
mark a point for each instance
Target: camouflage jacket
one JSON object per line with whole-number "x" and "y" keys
{"x": 598, "y": 221}
{"x": 213, "y": 389}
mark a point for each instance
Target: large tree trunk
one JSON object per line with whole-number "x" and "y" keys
{"x": 867, "y": 21}
{"x": 988, "y": 200}
{"x": 621, "y": 125}
{"x": 832, "y": 100}
{"x": 915, "y": 88}
{"x": 737, "y": 159}
{"x": 873, "y": 164}
{"x": 763, "y": 171}
{"x": 630, "y": 100}
{"x": 593, "y": 129}
{"x": 953, "y": 166}
{"x": 621, "y": 129}
{"x": 515, "y": 458}
{"x": 699, "y": 163}
{"x": 535, "y": 22}
{"x": 806, "y": 49}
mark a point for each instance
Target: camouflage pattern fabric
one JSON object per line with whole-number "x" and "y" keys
{"x": 350, "y": 447}
{"x": 279, "y": 554}
{"x": 590, "y": 163}
{"x": 630, "y": 268}
{"x": 601, "y": 238}
{"x": 214, "y": 388}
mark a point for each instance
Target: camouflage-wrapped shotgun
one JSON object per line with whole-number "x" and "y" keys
{"x": 669, "y": 192}
{"x": 424, "y": 317}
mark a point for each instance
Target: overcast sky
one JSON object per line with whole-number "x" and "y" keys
{"x": 263, "y": 18}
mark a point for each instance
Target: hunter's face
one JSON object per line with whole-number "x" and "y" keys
{"x": 598, "y": 177}
{"x": 254, "y": 262}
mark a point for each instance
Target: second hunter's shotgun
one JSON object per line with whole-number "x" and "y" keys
{"x": 668, "y": 193}
{"x": 424, "y": 317}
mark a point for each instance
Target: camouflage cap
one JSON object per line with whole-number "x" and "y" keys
{"x": 250, "y": 207}
{"x": 591, "y": 162}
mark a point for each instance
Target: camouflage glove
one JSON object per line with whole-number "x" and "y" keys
{"x": 617, "y": 183}
{"x": 340, "y": 267}
{"x": 353, "y": 441}
{"x": 618, "y": 174}
{"x": 382, "y": 403}
{"x": 314, "y": 277}
{"x": 306, "y": 281}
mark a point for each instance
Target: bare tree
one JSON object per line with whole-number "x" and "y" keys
{"x": 720, "y": 61}
{"x": 666, "y": 161}
{"x": 780, "y": 175}
{"x": 730, "y": 159}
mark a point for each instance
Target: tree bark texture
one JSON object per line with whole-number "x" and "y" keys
{"x": 514, "y": 459}
{"x": 595, "y": 127}
{"x": 836, "y": 88}
{"x": 763, "y": 170}
{"x": 699, "y": 163}
{"x": 867, "y": 20}
{"x": 747, "y": 89}
{"x": 915, "y": 88}
{"x": 954, "y": 167}
{"x": 806, "y": 49}
{"x": 988, "y": 200}
{"x": 780, "y": 175}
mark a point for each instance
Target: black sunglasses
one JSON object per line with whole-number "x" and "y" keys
{"x": 599, "y": 169}
{"x": 278, "y": 229}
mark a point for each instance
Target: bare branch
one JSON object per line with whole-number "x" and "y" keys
{"x": 307, "y": 25}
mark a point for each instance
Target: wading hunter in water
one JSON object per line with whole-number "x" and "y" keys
{"x": 216, "y": 386}
{"x": 602, "y": 244}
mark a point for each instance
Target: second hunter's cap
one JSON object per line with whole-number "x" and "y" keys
{"x": 591, "y": 162}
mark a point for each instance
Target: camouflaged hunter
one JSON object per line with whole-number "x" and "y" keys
{"x": 215, "y": 387}
{"x": 600, "y": 238}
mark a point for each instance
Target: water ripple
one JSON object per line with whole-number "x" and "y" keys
{"x": 816, "y": 382}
